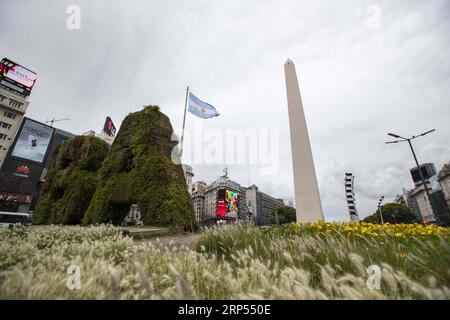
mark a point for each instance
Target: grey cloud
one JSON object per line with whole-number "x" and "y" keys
{"x": 357, "y": 84}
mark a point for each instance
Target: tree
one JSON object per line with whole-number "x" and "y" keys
{"x": 392, "y": 213}
{"x": 285, "y": 215}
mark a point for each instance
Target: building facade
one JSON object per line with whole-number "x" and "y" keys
{"x": 237, "y": 202}
{"x": 25, "y": 169}
{"x": 188, "y": 175}
{"x": 428, "y": 170}
{"x": 423, "y": 205}
{"x": 212, "y": 198}
{"x": 436, "y": 208}
{"x": 222, "y": 201}
{"x": 444, "y": 180}
{"x": 12, "y": 110}
{"x": 198, "y": 200}
{"x": 262, "y": 205}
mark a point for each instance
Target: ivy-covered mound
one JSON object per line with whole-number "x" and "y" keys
{"x": 139, "y": 170}
{"x": 71, "y": 181}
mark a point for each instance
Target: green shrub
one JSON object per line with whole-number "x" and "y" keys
{"x": 139, "y": 170}
{"x": 71, "y": 181}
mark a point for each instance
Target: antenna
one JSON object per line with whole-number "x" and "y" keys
{"x": 55, "y": 120}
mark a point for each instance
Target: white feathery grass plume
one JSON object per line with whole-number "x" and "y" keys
{"x": 146, "y": 283}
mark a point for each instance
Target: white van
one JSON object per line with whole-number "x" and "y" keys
{"x": 10, "y": 219}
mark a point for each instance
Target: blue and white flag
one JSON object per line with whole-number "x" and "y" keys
{"x": 200, "y": 108}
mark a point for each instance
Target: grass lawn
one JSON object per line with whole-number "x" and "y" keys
{"x": 312, "y": 261}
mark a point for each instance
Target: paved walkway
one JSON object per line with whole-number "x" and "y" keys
{"x": 176, "y": 241}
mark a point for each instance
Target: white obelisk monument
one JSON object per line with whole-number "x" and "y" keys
{"x": 307, "y": 196}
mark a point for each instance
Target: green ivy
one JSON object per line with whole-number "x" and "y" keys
{"x": 71, "y": 181}
{"x": 139, "y": 170}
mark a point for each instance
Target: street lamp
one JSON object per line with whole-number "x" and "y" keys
{"x": 394, "y": 215}
{"x": 415, "y": 158}
{"x": 379, "y": 209}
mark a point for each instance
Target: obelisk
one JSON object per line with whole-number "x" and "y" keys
{"x": 307, "y": 196}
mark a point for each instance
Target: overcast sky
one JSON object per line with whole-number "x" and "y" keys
{"x": 365, "y": 68}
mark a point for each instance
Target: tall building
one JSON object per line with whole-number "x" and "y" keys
{"x": 16, "y": 83}
{"x": 444, "y": 180}
{"x": 307, "y": 198}
{"x": 222, "y": 201}
{"x": 188, "y": 175}
{"x": 428, "y": 170}
{"x": 225, "y": 201}
{"x": 262, "y": 205}
{"x": 12, "y": 110}
{"x": 26, "y": 164}
{"x": 423, "y": 205}
{"x": 198, "y": 200}
{"x": 434, "y": 209}
{"x": 412, "y": 204}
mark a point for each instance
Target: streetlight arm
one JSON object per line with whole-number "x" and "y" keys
{"x": 395, "y": 141}
{"x": 396, "y": 136}
{"x": 422, "y": 134}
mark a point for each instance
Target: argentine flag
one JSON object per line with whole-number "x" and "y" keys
{"x": 201, "y": 109}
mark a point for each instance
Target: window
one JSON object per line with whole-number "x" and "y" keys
{"x": 5, "y": 125}
{"x": 2, "y": 98}
{"x": 3, "y": 136}
{"x": 10, "y": 115}
{"x": 14, "y": 103}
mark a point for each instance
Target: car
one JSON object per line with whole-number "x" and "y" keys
{"x": 10, "y": 219}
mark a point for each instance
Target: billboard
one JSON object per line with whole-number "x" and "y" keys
{"x": 227, "y": 204}
{"x": 17, "y": 77}
{"x": 231, "y": 200}
{"x": 109, "y": 127}
{"x": 33, "y": 141}
{"x": 221, "y": 205}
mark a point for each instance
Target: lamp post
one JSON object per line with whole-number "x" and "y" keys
{"x": 394, "y": 215}
{"x": 401, "y": 139}
{"x": 379, "y": 209}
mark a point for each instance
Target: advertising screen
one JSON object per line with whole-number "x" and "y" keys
{"x": 221, "y": 206}
{"x": 17, "y": 73}
{"x": 33, "y": 141}
{"x": 227, "y": 204}
{"x": 231, "y": 200}
{"x": 109, "y": 127}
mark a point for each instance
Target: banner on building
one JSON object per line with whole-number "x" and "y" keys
{"x": 227, "y": 204}
{"x": 33, "y": 141}
{"x": 109, "y": 127}
{"x": 17, "y": 77}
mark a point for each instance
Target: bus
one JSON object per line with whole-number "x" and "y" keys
{"x": 10, "y": 219}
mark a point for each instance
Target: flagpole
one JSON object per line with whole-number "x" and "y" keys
{"x": 184, "y": 122}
